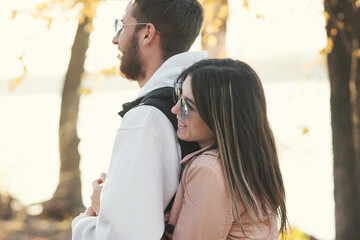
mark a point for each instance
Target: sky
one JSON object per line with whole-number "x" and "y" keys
{"x": 287, "y": 28}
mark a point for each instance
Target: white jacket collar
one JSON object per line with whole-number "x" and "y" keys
{"x": 170, "y": 70}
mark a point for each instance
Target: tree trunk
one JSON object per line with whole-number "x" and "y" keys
{"x": 344, "y": 73}
{"x": 214, "y": 31}
{"x": 67, "y": 199}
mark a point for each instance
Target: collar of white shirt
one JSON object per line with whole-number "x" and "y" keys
{"x": 166, "y": 75}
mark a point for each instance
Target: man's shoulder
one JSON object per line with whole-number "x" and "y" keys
{"x": 149, "y": 127}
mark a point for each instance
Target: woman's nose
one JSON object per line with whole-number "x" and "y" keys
{"x": 175, "y": 109}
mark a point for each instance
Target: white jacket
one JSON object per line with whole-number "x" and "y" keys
{"x": 144, "y": 170}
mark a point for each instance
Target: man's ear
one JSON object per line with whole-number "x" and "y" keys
{"x": 148, "y": 34}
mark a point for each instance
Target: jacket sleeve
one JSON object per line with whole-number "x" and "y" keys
{"x": 206, "y": 212}
{"x": 142, "y": 178}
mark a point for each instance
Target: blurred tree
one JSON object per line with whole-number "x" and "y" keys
{"x": 214, "y": 31}
{"x": 213, "y": 34}
{"x": 67, "y": 199}
{"x": 343, "y": 55}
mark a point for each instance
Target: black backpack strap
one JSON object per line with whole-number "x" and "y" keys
{"x": 162, "y": 99}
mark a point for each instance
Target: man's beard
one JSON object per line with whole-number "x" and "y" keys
{"x": 130, "y": 66}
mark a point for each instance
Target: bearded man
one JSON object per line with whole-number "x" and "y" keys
{"x": 153, "y": 38}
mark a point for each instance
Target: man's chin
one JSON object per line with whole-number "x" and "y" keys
{"x": 124, "y": 75}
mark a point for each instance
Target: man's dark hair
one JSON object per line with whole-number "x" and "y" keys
{"x": 178, "y": 21}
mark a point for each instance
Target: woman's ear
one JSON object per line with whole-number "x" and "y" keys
{"x": 149, "y": 34}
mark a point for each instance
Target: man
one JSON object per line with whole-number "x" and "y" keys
{"x": 143, "y": 176}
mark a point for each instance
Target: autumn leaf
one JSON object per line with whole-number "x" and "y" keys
{"x": 212, "y": 41}
{"x": 340, "y": 25}
{"x": 15, "y": 83}
{"x": 110, "y": 71}
{"x": 305, "y": 130}
{"x": 89, "y": 8}
{"x": 48, "y": 20}
{"x": 329, "y": 46}
{"x": 209, "y": 13}
{"x": 260, "y": 16}
{"x": 84, "y": 91}
{"x": 14, "y": 13}
{"x": 294, "y": 234}
{"x": 322, "y": 51}
{"x": 89, "y": 27}
{"x": 246, "y": 5}
{"x": 333, "y": 32}
{"x": 42, "y": 6}
{"x": 327, "y": 16}
{"x": 224, "y": 12}
{"x": 218, "y": 22}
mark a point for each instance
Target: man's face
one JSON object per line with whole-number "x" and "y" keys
{"x": 127, "y": 41}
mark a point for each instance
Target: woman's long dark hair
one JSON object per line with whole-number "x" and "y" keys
{"x": 230, "y": 99}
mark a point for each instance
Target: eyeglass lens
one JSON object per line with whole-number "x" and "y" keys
{"x": 177, "y": 92}
{"x": 184, "y": 109}
{"x": 117, "y": 25}
{"x": 177, "y": 97}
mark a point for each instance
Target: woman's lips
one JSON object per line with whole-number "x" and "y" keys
{"x": 181, "y": 125}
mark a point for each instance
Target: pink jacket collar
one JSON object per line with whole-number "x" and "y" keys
{"x": 214, "y": 152}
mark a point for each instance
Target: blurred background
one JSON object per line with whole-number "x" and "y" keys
{"x": 281, "y": 39}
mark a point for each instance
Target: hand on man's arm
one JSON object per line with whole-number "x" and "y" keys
{"x": 94, "y": 209}
{"x": 95, "y": 197}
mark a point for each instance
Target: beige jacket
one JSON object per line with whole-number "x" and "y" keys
{"x": 202, "y": 208}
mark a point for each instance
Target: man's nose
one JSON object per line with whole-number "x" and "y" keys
{"x": 115, "y": 40}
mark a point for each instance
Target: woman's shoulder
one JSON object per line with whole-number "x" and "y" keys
{"x": 207, "y": 160}
{"x": 203, "y": 170}
{"x": 210, "y": 157}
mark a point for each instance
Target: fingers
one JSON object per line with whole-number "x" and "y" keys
{"x": 96, "y": 194}
{"x": 99, "y": 181}
{"x": 95, "y": 199}
{"x": 103, "y": 177}
{"x": 96, "y": 183}
{"x": 89, "y": 212}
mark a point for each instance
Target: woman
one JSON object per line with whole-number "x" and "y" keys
{"x": 232, "y": 188}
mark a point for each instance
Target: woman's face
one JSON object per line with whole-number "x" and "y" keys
{"x": 193, "y": 128}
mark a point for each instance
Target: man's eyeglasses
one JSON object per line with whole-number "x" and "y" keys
{"x": 119, "y": 25}
{"x": 183, "y": 105}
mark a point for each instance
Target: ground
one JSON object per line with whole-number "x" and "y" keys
{"x": 35, "y": 228}
{"x": 17, "y": 224}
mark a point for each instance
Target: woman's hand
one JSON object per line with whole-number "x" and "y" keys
{"x": 89, "y": 212}
{"x": 95, "y": 197}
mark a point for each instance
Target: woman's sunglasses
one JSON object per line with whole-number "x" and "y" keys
{"x": 183, "y": 104}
